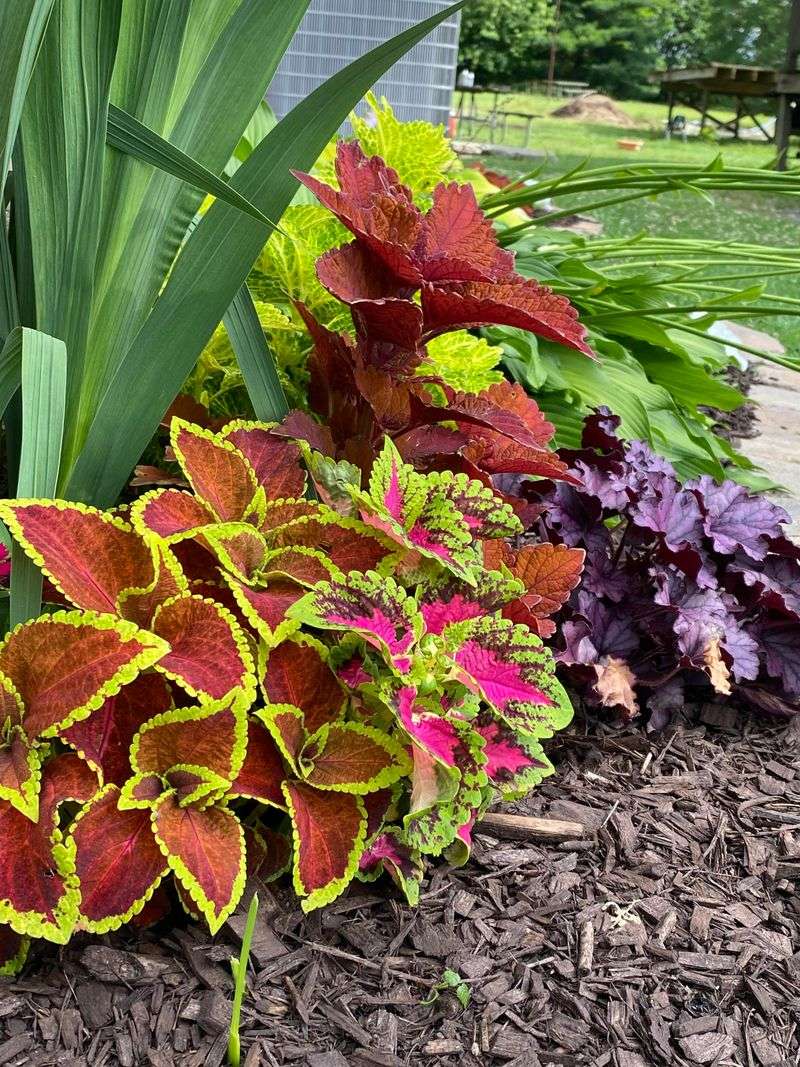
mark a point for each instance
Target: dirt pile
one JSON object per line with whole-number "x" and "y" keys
{"x": 595, "y": 107}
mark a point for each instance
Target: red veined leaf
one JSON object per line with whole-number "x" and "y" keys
{"x": 140, "y": 607}
{"x": 104, "y": 739}
{"x": 279, "y": 513}
{"x": 303, "y": 565}
{"x": 295, "y": 673}
{"x": 328, "y": 830}
{"x": 65, "y": 777}
{"x": 548, "y": 572}
{"x": 285, "y": 723}
{"x": 117, "y": 860}
{"x": 205, "y": 850}
{"x": 377, "y": 806}
{"x": 208, "y": 653}
{"x": 347, "y": 543}
{"x": 155, "y": 910}
{"x": 65, "y": 665}
{"x": 13, "y": 951}
{"x": 352, "y": 758}
{"x": 196, "y": 562}
{"x": 262, "y": 772}
{"x": 459, "y": 242}
{"x": 219, "y": 474}
{"x": 265, "y": 609}
{"x": 496, "y": 454}
{"x": 299, "y": 425}
{"x": 170, "y": 513}
{"x": 275, "y": 460}
{"x": 20, "y": 770}
{"x": 516, "y": 301}
{"x": 239, "y": 547}
{"x": 90, "y": 556}
{"x": 212, "y": 737}
{"x": 269, "y": 853}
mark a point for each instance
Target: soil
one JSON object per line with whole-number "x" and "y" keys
{"x": 595, "y": 107}
{"x": 668, "y": 934}
{"x": 742, "y": 423}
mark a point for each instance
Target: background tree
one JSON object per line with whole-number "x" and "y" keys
{"x": 505, "y": 40}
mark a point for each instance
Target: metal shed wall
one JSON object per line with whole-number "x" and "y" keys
{"x": 335, "y": 32}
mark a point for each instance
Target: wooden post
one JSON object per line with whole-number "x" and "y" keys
{"x": 551, "y": 67}
{"x": 703, "y": 109}
{"x": 783, "y": 125}
{"x": 738, "y": 118}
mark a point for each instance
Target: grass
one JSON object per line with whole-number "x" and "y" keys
{"x": 746, "y": 217}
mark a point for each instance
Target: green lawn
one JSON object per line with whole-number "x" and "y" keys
{"x": 748, "y": 217}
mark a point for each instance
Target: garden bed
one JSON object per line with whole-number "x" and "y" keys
{"x": 670, "y": 933}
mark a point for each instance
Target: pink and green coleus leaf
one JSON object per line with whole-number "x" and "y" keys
{"x": 328, "y": 829}
{"x": 510, "y": 669}
{"x": 65, "y": 665}
{"x": 484, "y": 513}
{"x": 205, "y": 850}
{"x": 450, "y": 600}
{"x": 515, "y": 760}
{"x": 275, "y": 460}
{"x": 117, "y": 861}
{"x": 350, "y": 757}
{"x": 217, "y": 471}
{"x": 38, "y": 887}
{"x": 428, "y": 729}
{"x": 208, "y": 653}
{"x": 376, "y": 608}
{"x": 297, "y": 672}
{"x": 387, "y": 853}
{"x": 213, "y": 736}
{"x": 90, "y": 556}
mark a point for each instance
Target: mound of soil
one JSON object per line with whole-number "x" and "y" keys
{"x": 595, "y": 107}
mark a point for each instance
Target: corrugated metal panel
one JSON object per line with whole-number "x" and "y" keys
{"x": 335, "y": 32}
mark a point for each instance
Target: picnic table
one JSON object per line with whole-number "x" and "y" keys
{"x": 498, "y": 120}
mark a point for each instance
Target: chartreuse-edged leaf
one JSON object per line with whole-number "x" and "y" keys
{"x": 286, "y": 724}
{"x": 13, "y": 952}
{"x": 43, "y": 378}
{"x": 328, "y": 830}
{"x": 350, "y": 757}
{"x": 211, "y": 268}
{"x": 21, "y": 766}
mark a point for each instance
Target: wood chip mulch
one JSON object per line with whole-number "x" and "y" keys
{"x": 668, "y": 934}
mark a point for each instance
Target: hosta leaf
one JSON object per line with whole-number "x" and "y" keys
{"x": 352, "y": 758}
{"x": 296, "y": 672}
{"x": 328, "y": 829}
{"x": 208, "y": 653}
{"x": 205, "y": 851}
{"x": 213, "y": 737}
{"x": 66, "y": 664}
{"x": 117, "y": 861}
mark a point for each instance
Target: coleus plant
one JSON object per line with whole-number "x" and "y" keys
{"x": 408, "y": 278}
{"x": 686, "y": 585}
{"x": 247, "y": 680}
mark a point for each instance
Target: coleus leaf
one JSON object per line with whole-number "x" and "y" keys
{"x": 376, "y": 608}
{"x": 262, "y": 771}
{"x": 208, "y": 653}
{"x": 285, "y": 724}
{"x": 458, "y": 241}
{"x": 205, "y": 850}
{"x": 65, "y": 665}
{"x": 20, "y": 772}
{"x": 328, "y": 830}
{"x": 213, "y": 736}
{"x": 267, "y": 609}
{"x": 104, "y": 738}
{"x": 388, "y": 853}
{"x": 350, "y": 757}
{"x": 170, "y": 514}
{"x": 117, "y": 861}
{"x": 510, "y": 668}
{"x": 274, "y": 460}
{"x": 515, "y": 761}
{"x": 548, "y": 574}
{"x": 450, "y": 601}
{"x": 218, "y": 473}
{"x": 90, "y": 556}
{"x": 239, "y": 547}
{"x": 348, "y": 544}
{"x": 14, "y": 950}
{"x": 300, "y": 564}
{"x": 428, "y": 729}
{"x": 297, "y": 672}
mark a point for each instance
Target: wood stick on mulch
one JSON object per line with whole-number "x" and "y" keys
{"x": 529, "y": 828}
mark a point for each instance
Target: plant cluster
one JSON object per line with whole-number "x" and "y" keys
{"x": 686, "y": 584}
{"x": 246, "y": 679}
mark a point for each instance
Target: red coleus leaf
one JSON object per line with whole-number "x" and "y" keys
{"x": 216, "y": 470}
{"x": 352, "y": 758}
{"x": 296, "y": 673}
{"x": 262, "y": 772}
{"x": 328, "y": 830}
{"x": 208, "y": 652}
{"x": 104, "y": 739}
{"x": 459, "y": 242}
{"x": 269, "y": 853}
{"x": 495, "y": 454}
{"x": 266, "y": 609}
{"x": 90, "y": 556}
{"x": 205, "y": 850}
{"x": 303, "y": 565}
{"x": 170, "y": 513}
{"x": 548, "y": 572}
{"x": 347, "y": 543}
{"x": 19, "y": 772}
{"x": 516, "y": 301}
{"x": 275, "y": 461}
{"x": 211, "y": 737}
{"x": 239, "y": 547}
{"x": 285, "y": 723}
{"x": 117, "y": 861}
{"x": 65, "y": 665}
{"x": 13, "y": 951}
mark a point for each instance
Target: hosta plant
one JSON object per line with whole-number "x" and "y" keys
{"x": 689, "y": 587}
{"x": 244, "y": 680}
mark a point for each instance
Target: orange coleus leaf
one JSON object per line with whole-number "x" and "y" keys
{"x": 262, "y": 772}
{"x": 548, "y": 572}
{"x": 205, "y": 850}
{"x": 104, "y": 738}
{"x": 280, "y": 512}
{"x": 296, "y": 673}
{"x": 117, "y": 861}
{"x": 216, "y": 470}
{"x": 275, "y": 461}
{"x": 65, "y": 665}
{"x": 265, "y": 609}
{"x": 211, "y": 737}
{"x": 345, "y": 542}
{"x": 352, "y": 758}
{"x": 170, "y": 514}
{"x": 208, "y": 653}
{"x": 328, "y": 830}
{"x": 89, "y": 556}
{"x": 459, "y": 241}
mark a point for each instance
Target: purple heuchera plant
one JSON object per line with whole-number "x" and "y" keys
{"x": 684, "y": 584}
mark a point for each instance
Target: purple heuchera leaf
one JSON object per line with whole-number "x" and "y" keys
{"x": 781, "y": 645}
{"x": 735, "y": 519}
{"x": 742, "y": 650}
{"x": 777, "y": 583}
{"x": 670, "y": 511}
{"x": 697, "y": 615}
{"x": 610, "y": 631}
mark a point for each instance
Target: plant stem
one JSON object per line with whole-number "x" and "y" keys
{"x": 239, "y": 970}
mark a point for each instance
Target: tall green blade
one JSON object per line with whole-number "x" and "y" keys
{"x": 255, "y": 359}
{"x": 211, "y": 268}
{"x": 44, "y": 384}
{"x": 22, "y": 25}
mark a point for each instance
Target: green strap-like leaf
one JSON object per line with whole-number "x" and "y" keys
{"x": 255, "y": 359}
{"x": 43, "y": 362}
{"x": 210, "y": 270}
{"x": 22, "y": 25}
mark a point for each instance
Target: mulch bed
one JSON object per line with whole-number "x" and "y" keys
{"x": 669, "y": 934}
{"x": 742, "y": 423}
